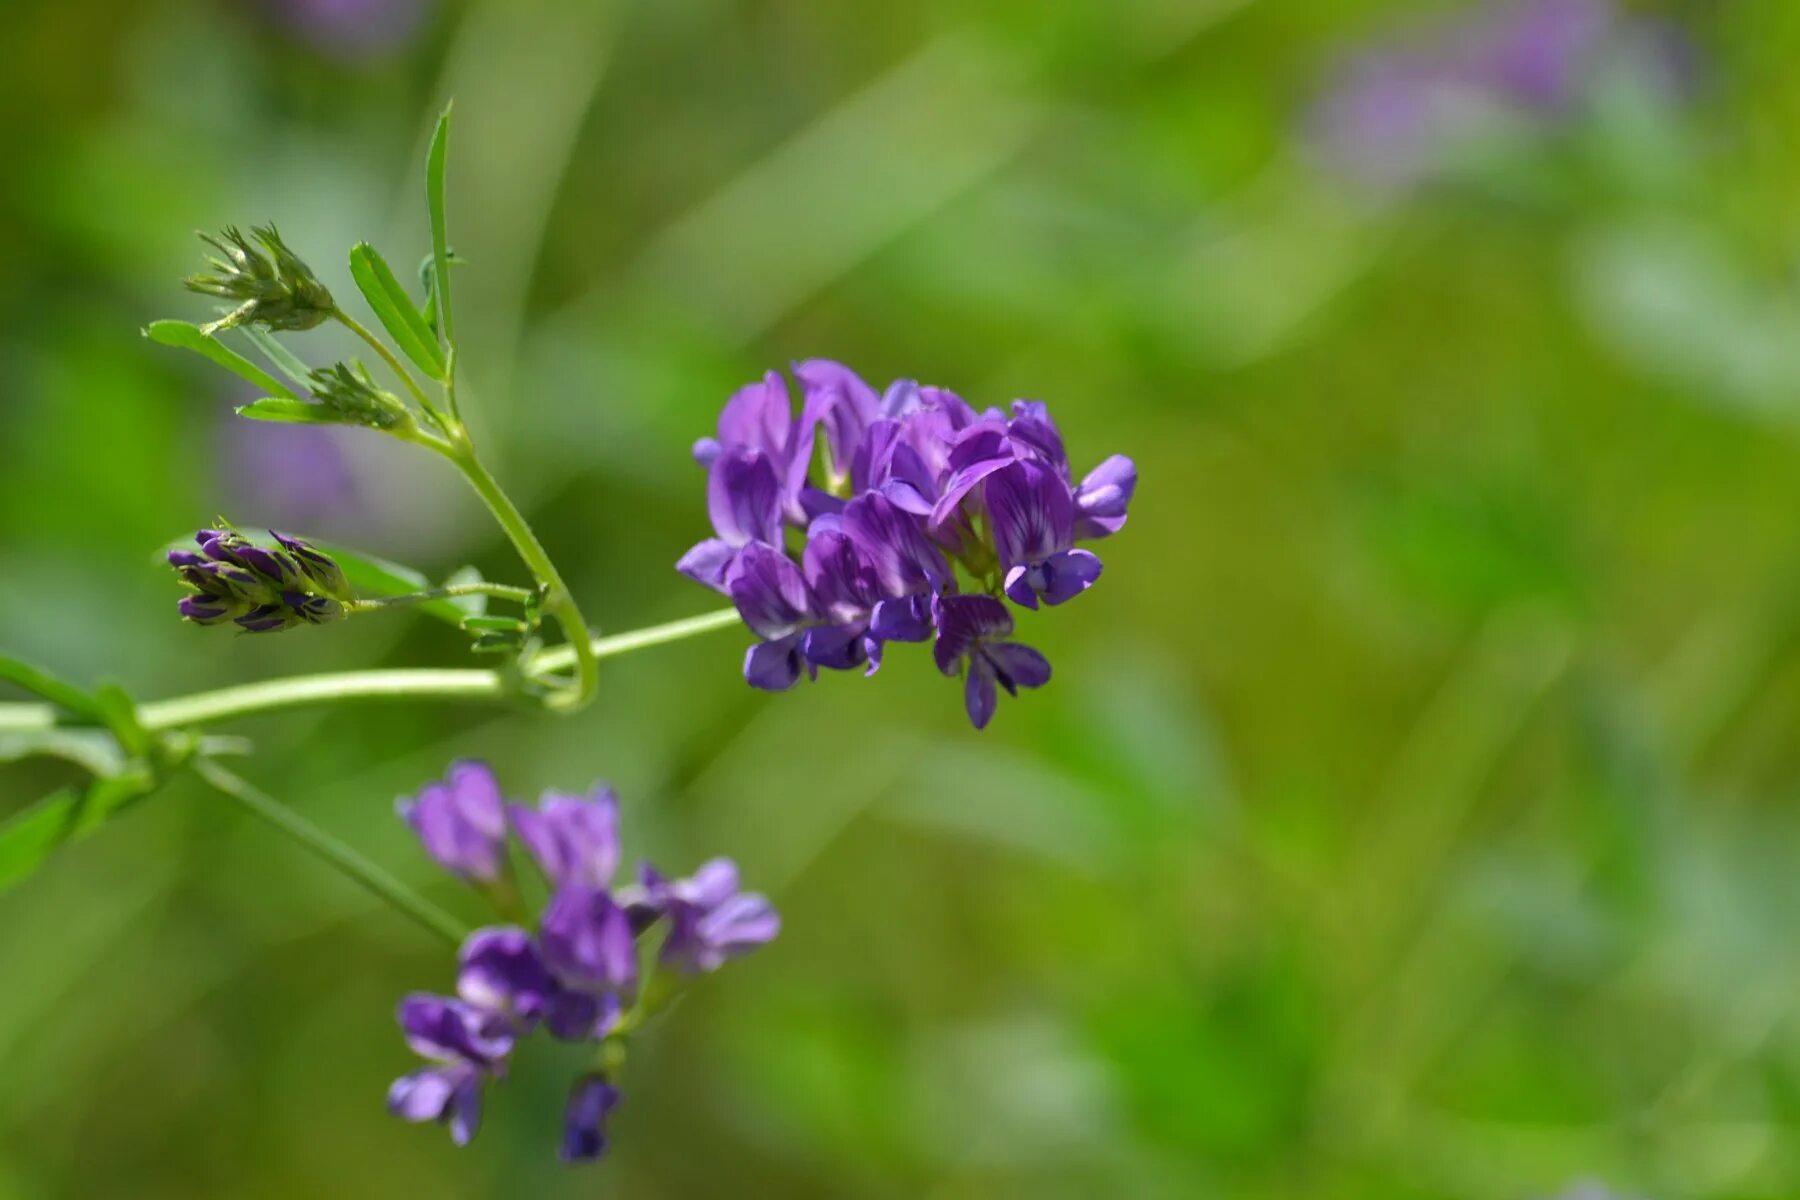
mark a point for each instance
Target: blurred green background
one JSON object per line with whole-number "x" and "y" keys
{"x": 1412, "y": 812}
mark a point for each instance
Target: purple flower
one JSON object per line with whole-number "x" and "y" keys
{"x": 588, "y": 941}
{"x": 1103, "y": 497}
{"x": 743, "y": 496}
{"x": 710, "y": 920}
{"x": 575, "y": 975}
{"x": 844, "y": 593}
{"x": 1032, "y": 512}
{"x": 574, "y": 839}
{"x": 591, "y": 1101}
{"x": 467, "y": 1046}
{"x": 902, "y": 556}
{"x": 449, "y": 1095}
{"x": 918, "y": 498}
{"x": 452, "y": 1031}
{"x": 499, "y": 970}
{"x": 760, "y": 418}
{"x": 970, "y": 636}
{"x": 461, "y": 822}
{"x": 837, "y": 400}
{"x": 771, "y": 596}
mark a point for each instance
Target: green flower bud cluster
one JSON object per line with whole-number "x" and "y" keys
{"x": 273, "y": 287}
{"x": 350, "y": 393}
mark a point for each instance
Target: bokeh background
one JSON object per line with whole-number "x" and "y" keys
{"x": 1412, "y": 814}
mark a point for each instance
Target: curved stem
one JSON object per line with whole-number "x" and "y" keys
{"x": 300, "y": 691}
{"x": 354, "y": 326}
{"x": 375, "y": 878}
{"x": 499, "y": 591}
{"x": 558, "y": 602}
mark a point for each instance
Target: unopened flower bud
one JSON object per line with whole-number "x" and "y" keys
{"x": 347, "y": 390}
{"x": 258, "y": 588}
{"x": 272, "y": 286}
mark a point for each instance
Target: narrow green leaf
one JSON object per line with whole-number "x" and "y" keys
{"x": 495, "y": 643}
{"x": 395, "y": 309}
{"x": 42, "y": 683}
{"x": 186, "y": 336}
{"x": 285, "y": 360}
{"x": 29, "y": 837}
{"x": 289, "y": 412}
{"x": 440, "y": 242}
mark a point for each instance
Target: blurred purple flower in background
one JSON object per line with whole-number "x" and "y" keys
{"x": 919, "y": 507}
{"x": 578, "y": 974}
{"x": 299, "y": 471}
{"x": 1394, "y": 109}
{"x": 351, "y": 28}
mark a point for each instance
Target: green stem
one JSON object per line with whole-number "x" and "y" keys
{"x": 499, "y": 591}
{"x": 354, "y": 326}
{"x": 301, "y": 691}
{"x": 560, "y": 658}
{"x": 376, "y": 879}
{"x": 558, "y": 601}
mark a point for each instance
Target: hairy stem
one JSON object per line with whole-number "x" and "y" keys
{"x": 350, "y": 862}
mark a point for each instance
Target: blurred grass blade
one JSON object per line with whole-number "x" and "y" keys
{"x": 31, "y": 836}
{"x": 440, "y": 243}
{"x": 285, "y": 360}
{"x": 288, "y": 412}
{"x": 396, "y": 310}
{"x": 186, "y": 336}
{"x": 42, "y": 683}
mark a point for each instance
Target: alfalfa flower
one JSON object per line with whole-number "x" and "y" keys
{"x": 270, "y": 284}
{"x": 918, "y": 516}
{"x": 576, "y": 975}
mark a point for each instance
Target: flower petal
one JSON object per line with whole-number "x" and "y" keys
{"x": 743, "y": 497}
{"x": 769, "y": 591}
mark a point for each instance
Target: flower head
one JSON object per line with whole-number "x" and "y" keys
{"x": 913, "y": 500}
{"x": 273, "y": 287}
{"x": 261, "y": 589}
{"x": 573, "y": 975}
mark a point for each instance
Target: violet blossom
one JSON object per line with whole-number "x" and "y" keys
{"x": 577, "y": 975}
{"x": 898, "y": 501}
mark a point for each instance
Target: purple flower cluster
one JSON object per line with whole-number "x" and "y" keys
{"x": 260, "y": 589}
{"x": 577, "y": 977}
{"x": 888, "y": 495}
